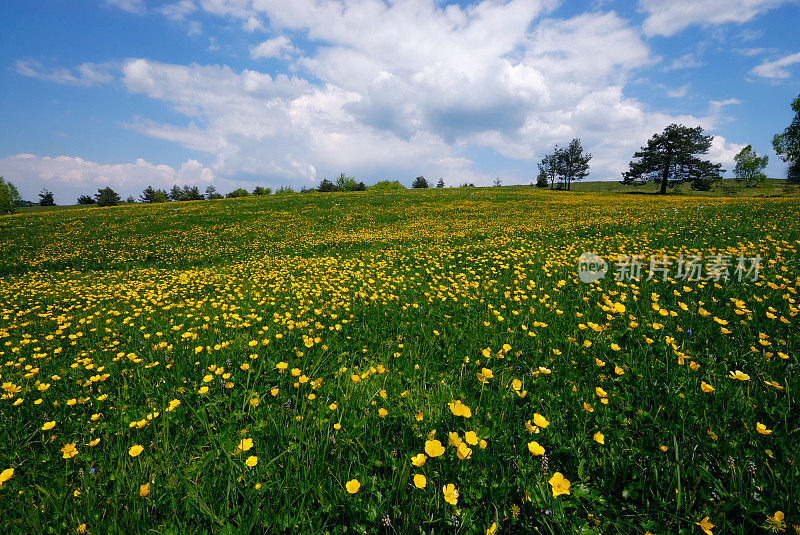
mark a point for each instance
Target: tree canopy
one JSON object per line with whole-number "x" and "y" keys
{"x": 670, "y": 157}
{"x": 750, "y": 166}
{"x": 787, "y": 144}
{"x": 9, "y": 197}
{"x": 46, "y": 198}
{"x": 106, "y": 197}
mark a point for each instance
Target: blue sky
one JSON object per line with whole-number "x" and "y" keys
{"x": 130, "y": 93}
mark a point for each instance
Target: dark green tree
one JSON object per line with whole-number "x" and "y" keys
{"x": 750, "y": 166}
{"x": 440, "y": 184}
{"x": 211, "y": 193}
{"x": 238, "y": 192}
{"x": 46, "y": 198}
{"x": 148, "y": 195}
{"x": 496, "y": 183}
{"x": 258, "y": 190}
{"x": 572, "y": 163}
{"x": 326, "y": 186}
{"x": 176, "y": 194}
{"x": 420, "y": 183}
{"x": 85, "y": 199}
{"x": 107, "y": 197}
{"x": 787, "y": 144}
{"x": 670, "y": 157}
{"x": 191, "y": 193}
{"x": 541, "y": 179}
{"x": 348, "y": 183}
{"x": 9, "y": 197}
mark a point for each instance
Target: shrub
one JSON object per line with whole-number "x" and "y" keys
{"x": 387, "y": 185}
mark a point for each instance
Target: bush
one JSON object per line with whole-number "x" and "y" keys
{"x": 85, "y": 199}
{"x": 387, "y": 185}
{"x": 326, "y": 186}
{"x": 348, "y": 183}
{"x": 284, "y": 190}
{"x": 258, "y": 190}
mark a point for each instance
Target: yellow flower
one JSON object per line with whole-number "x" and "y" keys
{"x": 135, "y": 450}
{"x": 450, "y": 494}
{"x": 615, "y": 347}
{"x": 491, "y": 530}
{"x": 600, "y": 392}
{"x": 93, "y": 443}
{"x": 706, "y": 526}
{"x": 540, "y": 420}
{"x": 420, "y": 481}
{"x": 433, "y": 448}
{"x": 618, "y": 370}
{"x": 202, "y": 390}
{"x": 352, "y": 486}
{"x": 599, "y": 362}
{"x": 464, "y": 451}
{"x": 48, "y": 426}
{"x": 5, "y": 475}
{"x": 471, "y": 438}
{"x": 81, "y": 530}
{"x": 69, "y": 451}
{"x": 251, "y": 461}
{"x": 560, "y": 484}
{"x": 738, "y": 374}
{"x": 775, "y": 523}
{"x": 762, "y": 429}
{"x": 419, "y": 459}
{"x": 459, "y": 409}
{"x": 599, "y": 438}
{"x": 535, "y": 448}
{"x": 383, "y": 413}
{"x": 244, "y": 445}
{"x": 144, "y": 490}
{"x": 418, "y": 416}
{"x": 587, "y": 407}
{"x": 705, "y": 387}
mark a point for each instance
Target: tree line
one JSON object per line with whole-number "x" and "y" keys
{"x": 670, "y": 157}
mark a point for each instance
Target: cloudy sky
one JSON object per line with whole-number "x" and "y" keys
{"x": 130, "y": 93}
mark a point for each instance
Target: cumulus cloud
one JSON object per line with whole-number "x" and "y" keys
{"x": 669, "y": 18}
{"x": 178, "y": 10}
{"x": 278, "y": 47}
{"x": 776, "y": 69}
{"x": 86, "y": 74}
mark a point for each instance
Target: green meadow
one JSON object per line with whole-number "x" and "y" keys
{"x": 403, "y": 362}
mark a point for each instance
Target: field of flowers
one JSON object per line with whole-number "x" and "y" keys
{"x": 412, "y": 362}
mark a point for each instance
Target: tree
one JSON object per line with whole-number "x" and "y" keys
{"x": 131, "y": 199}
{"x": 211, "y": 193}
{"x": 420, "y": 183}
{"x": 176, "y": 193}
{"x": 787, "y": 144}
{"x": 238, "y": 192}
{"x": 191, "y": 193}
{"x": 467, "y": 185}
{"x": 497, "y": 182}
{"x": 549, "y": 166}
{"x": 541, "y": 180}
{"x": 749, "y": 166}
{"x": 326, "y": 186}
{"x": 387, "y": 185}
{"x": 258, "y": 190}
{"x": 348, "y": 183}
{"x": 9, "y": 197}
{"x": 669, "y": 157}
{"x": 85, "y": 199}
{"x": 107, "y": 197}
{"x": 148, "y": 195}
{"x": 46, "y": 198}
{"x": 440, "y": 184}
{"x": 572, "y": 163}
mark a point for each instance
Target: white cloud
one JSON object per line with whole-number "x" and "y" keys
{"x": 178, "y": 10}
{"x": 667, "y": 18}
{"x": 723, "y": 152}
{"x": 687, "y": 61}
{"x": 679, "y": 92}
{"x": 776, "y": 69}
{"x": 88, "y": 74}
{"x": 252, "y": 24}
{"x": 131, "y": 6}
{"x": 68, "y": 177}
{"x": 278, "y": 47}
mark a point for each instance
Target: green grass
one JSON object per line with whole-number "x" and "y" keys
{"x": 397, "y": 301}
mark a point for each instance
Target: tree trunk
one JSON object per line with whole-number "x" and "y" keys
{"x": 665, "y": 174}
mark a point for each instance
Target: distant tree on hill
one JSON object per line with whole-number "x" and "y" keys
{"x": 284, "y": 190}
{"x": 211, "y": 193}
{"x": 669, "y": 157}
{"x": 107, "y": 197}
{"x": 131, "y": 199}
{"x": 348, "y": 183}
{"x": 191, "y": 193}
{"x": 787, "y": 144}
{"x": 238, "y": 192}
{"x": 326, "y": 186}
{"x": 548, "y": 167}
{"x": 46, "y": 198}
{"x": 420, "y": 183}
{"x": 258, "y": 190}
{"x": 440, "y": 184}
{"x": 85, "y": 199}
{"x": 572, "y": 162}
{"x": 176, "y": 193}
{"x": 148, "y": 195}
{"x": 497, "y": 182}
{"x": 541, "y": 180}
{"x": 750, "y": 167}
{"x": 467, "y": 185}
{"x": 9, "y": 197}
